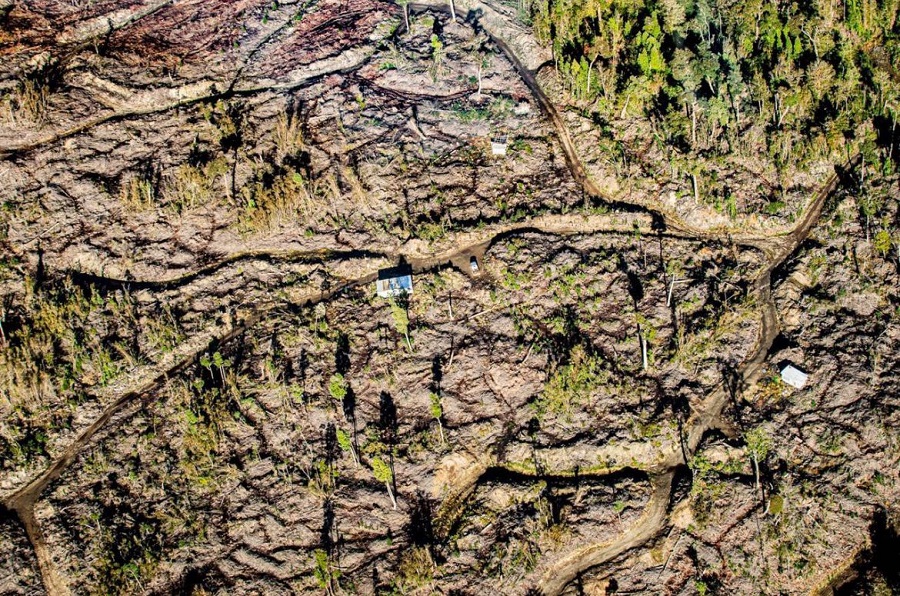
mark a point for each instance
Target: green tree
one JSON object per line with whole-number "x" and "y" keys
{"x": 345, "y": 442}
{"x": 221, "y": 363}
{"x": 759, "y": 442}
{"x": 337, "y": 386}
{"x": 437, "y": 56}
{"x": 437, "y": 412}
{"x": 383, "y": 473}
{"x": 325, "y": 572}
{"x": 883, "y": 242}
{"x": 650, "y": 58}
{"x": 401, "y": 321}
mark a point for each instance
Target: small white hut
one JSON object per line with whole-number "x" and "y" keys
{"x": 793, "y": 376}
{"x": 498, "y": 145}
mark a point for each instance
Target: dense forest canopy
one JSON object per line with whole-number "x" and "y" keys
{"x": 804, "y": 80}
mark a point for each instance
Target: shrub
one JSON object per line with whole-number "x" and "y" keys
{"x": 337, "y": 387}
{"x": 571, "y": 384}
{"x": 194, "y": 186}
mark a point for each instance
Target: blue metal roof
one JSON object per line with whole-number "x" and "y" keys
{"x": 394, "y": 282}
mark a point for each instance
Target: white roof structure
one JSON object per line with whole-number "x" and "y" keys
{"x": 498, "y": 146}
{"x": 794, "y": 376}
{"x": 394, "y": 282}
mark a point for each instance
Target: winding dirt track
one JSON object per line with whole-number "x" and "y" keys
{"x": 180, "y": 97}
{"x": 777, "y": 250}
{"x": 706, "y": 417}
{"x": 22, "y": 500}
{"x": 567, "y": 569}
{"x": 473, "y": 242}
{"x": 564, "y": 571}
{"x": 188, "y": 352}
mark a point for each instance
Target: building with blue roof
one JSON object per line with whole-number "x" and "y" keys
{"x": 395, "y": 281}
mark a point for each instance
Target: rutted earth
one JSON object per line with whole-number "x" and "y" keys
{"x": 203, "y": 394}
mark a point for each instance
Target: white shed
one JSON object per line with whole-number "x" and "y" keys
{"x": 793, "y": 376}
{"x": 498, "y": 145}
{"x": 394, "y": 282}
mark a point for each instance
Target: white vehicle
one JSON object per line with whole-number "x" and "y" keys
{"x": 473, "y": 263}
